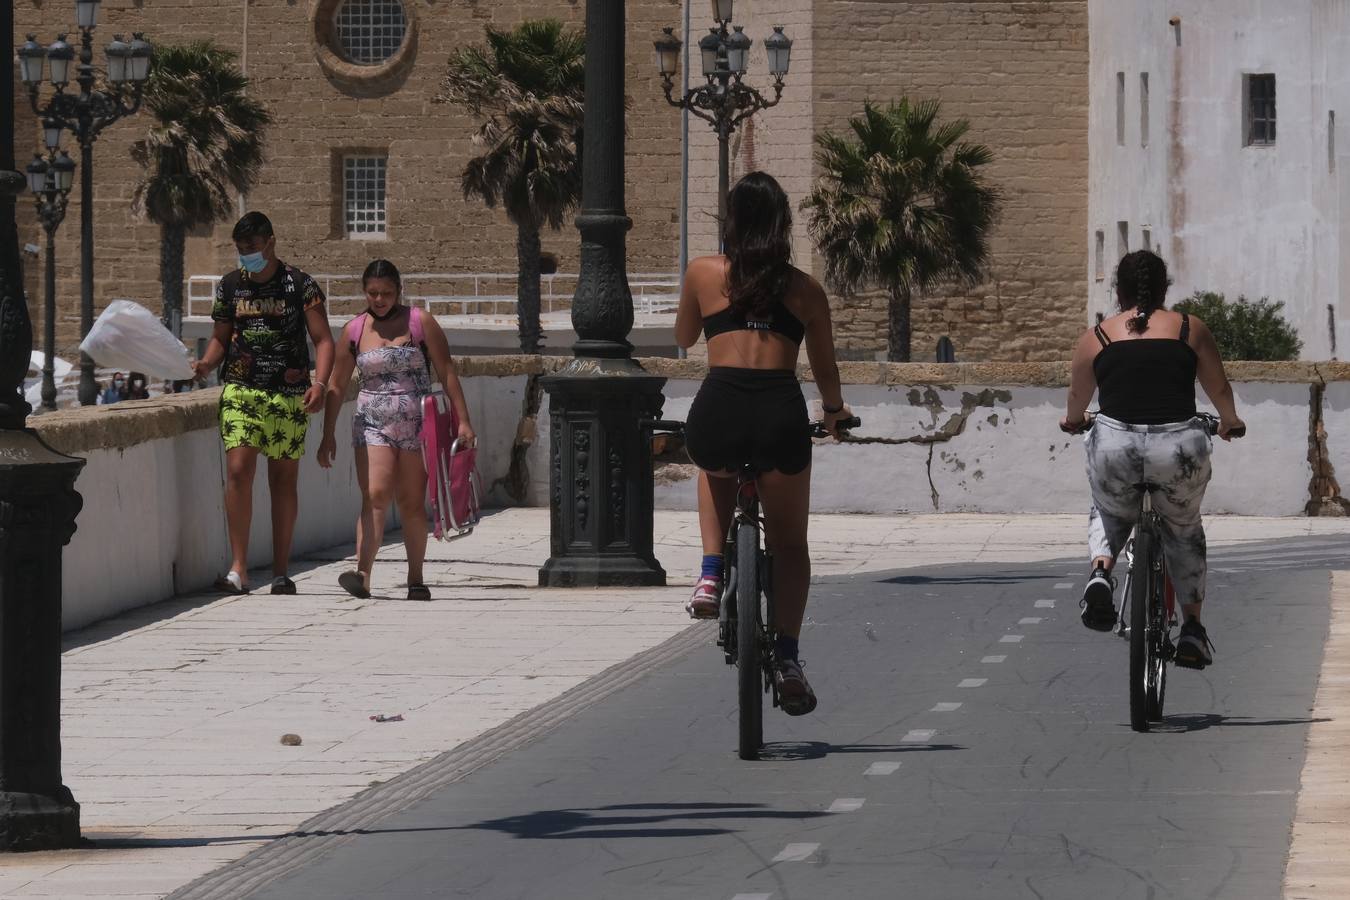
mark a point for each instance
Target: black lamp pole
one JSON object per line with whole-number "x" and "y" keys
{"x": 602, "y": 403}
{"x": 50, "y": 181}
{"x": 85, "y": 114}
{"x": 38, "y": 505}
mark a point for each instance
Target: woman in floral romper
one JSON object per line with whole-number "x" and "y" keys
{"x": 388, "y": 348}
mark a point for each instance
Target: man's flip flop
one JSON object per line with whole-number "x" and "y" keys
{"x": 231, "y": 583}
{"x": 353, "y": 583}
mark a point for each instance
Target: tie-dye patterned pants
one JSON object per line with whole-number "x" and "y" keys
{"x": 1175, "y": 457}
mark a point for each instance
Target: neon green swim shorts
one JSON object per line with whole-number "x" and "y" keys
{"x": 273, "y": 423}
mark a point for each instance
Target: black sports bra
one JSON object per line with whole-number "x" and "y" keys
{"x": 780, "y": 321}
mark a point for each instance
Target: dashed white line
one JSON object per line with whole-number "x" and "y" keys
{"x": 1030, "y": 620}
{"x": 993, "y": 659}
{"x": 918, "y": 736}
{"x": 945, "y": 707}
{"x": 972, "y": 682}
{"x": 1045, "y": 604}
{"x": 846, "y": 804}
{"x": 1063, "y": 585}
{"x": 796, "y": 852}
{"x": 1010, "y": 639}
{"x": 882, "y": 768}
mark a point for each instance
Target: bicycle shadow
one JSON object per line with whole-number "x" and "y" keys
{"x": 1202, "y": 721}
{"x": 637, "y": 820}
{"x": 919, "y": 580}
{"x": 797, "y": 751}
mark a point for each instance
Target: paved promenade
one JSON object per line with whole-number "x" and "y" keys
{"x": 174, "y": 715}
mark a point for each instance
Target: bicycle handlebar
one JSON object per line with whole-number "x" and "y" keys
{"x": 1211, "y": 423}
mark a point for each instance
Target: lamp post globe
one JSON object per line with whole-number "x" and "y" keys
{"x": 721, "y": 10}
{"x": 668, "y": 48}
{"x": 86, "y": 14}
{"x": 32, "y": 56}
{"x": 64, "y": 168}
{"x": 778, "y": 48}
{"x": 119, "y": 57}
{"x": 738, "y": 50}
{"x": 60, "y": 54}
{"x": 37, "y": 176}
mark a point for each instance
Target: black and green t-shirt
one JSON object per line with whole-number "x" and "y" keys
{"x": 269, "y": 350}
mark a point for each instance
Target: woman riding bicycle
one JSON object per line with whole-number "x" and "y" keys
{"x": 755, "y": 308}
{"x": 1143, "y": 363}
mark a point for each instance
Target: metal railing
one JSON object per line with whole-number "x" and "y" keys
{"x": 465, "y": 293}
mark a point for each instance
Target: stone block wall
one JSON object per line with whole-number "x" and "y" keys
{"x": 1019, "y": 72}
{"x": 318, "y": 115}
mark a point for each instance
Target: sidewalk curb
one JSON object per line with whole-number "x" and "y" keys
{"x": 326, "y": 831}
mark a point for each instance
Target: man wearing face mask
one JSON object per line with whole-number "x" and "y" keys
{"x": 263, "y": 311}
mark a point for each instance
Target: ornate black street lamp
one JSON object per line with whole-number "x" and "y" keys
{"x": 50, "y": 181}
{"x": 602, "y": 403}
{"x": 724, "y": 100}
{"x": 38, "y": 505}
{"x": 85, "y": 114}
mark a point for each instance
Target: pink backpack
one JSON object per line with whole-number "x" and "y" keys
{"x": 452, "y": 475}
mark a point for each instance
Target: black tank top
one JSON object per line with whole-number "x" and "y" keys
{"x": 780, "y": 321}
{"x": 1148, "y": 381}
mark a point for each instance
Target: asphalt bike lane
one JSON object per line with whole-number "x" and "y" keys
{"x": 972, "y": 741}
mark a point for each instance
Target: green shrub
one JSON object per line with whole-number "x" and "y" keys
{"x": 1245, "y": 330}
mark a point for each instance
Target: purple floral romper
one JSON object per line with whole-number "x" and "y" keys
{"x": 389, "y": 407}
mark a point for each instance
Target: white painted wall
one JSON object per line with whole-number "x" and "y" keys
{"x": 1011, "y": 456}
{"x": 1255, "y": 221}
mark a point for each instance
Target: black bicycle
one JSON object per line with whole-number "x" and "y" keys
{"x": 745, "y": 625}
{"x": 1148, "y": 602}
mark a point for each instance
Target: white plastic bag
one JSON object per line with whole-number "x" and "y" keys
{"x": 128, "y": 336}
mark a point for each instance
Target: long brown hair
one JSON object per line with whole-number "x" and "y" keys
{"x": 757, "y": 240}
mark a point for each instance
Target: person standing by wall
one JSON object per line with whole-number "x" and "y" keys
{"x": 262, "y": 311}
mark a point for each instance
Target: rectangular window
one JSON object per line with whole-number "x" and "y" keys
{"x": 1122, "y": 239}
{"x": 363, "y": 194}
{"x": 1120, "y": 109}
{"x": 1143, "y": 109}
{"x": 1259, "y": 114}
{"x": 1145, "y": 239}
{"x": 1099, "y": 263}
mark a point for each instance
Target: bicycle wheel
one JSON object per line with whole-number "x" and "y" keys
{"x": 750, "y": 680}
{"x": 1141, "y": 582}
{"x": 1157, "y": 660}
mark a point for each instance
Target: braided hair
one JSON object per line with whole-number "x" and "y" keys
{"x": 1141, "y": 285}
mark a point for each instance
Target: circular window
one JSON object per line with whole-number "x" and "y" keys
{"x": 370, "y": 32}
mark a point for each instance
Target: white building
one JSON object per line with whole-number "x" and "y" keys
{"x": 1213, "y": 141}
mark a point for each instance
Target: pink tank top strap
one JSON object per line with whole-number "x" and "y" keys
{"x": 415, "y": 325}
{"x": 356, "y": 329}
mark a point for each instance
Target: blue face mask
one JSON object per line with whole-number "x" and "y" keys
{"x": 253, "y": 262}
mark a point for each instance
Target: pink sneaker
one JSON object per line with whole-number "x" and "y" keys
{"x": 706, "y": 603}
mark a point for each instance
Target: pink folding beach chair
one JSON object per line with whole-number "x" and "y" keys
{"x": 452, "y": 479}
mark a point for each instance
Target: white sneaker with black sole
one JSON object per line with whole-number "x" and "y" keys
{"x": 1098, "y": 603}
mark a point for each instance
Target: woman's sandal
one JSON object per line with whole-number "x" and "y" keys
{"x": 231, "y": 583}
{"x": 419, "y": 592}
{"x": 354, "y": 583}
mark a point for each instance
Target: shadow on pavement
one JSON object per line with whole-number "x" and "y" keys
{"x": 802, "y": 750}
{"x": 1202, "y": 721}
{"x": 602, "y": 822}
{"x": 966, "y": 579}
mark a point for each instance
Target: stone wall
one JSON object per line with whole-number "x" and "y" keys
{"x": 1019, "y": 72}
{"x": 318, "y": 115}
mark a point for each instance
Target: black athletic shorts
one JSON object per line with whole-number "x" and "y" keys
{"x": 754, "y": 416}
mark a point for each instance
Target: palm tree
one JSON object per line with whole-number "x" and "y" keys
{"x": 527, "y": 86}
{"x": 905, "y": 204}
{"x": 205, "y": 144}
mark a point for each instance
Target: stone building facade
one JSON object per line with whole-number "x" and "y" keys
{"x": 1017, "y": 70}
